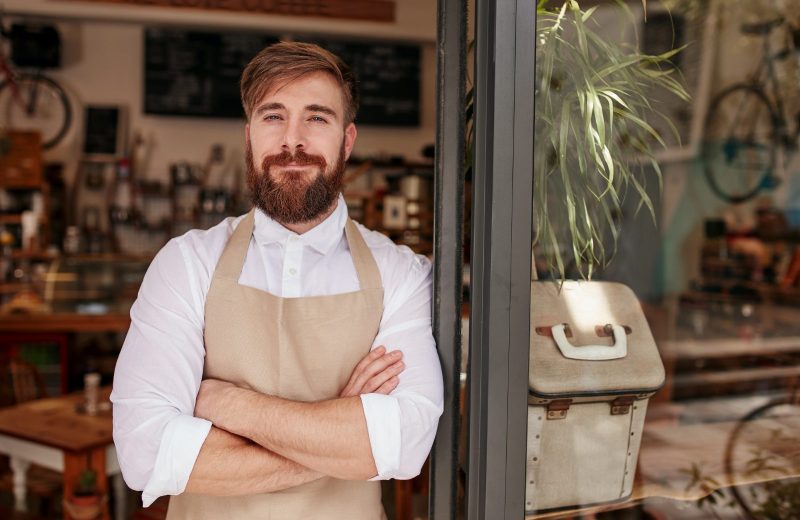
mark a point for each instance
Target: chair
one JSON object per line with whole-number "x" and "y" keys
{"x": 26, "y": 384}
{"x": 26, "y": 381}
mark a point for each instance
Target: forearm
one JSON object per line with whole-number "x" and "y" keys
{"x": 231, "y": 465}
{"x": 328, "y": 436}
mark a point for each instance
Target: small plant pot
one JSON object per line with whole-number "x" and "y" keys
{"x": 84, "y": 507}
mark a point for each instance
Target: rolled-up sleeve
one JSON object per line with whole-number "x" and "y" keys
{"x": 157, "y": 377}
{"x": 402, "y": 425}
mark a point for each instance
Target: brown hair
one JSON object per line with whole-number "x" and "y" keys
{"x": 288, "y": 61}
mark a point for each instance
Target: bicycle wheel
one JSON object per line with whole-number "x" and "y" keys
{"x": 762, "y": 460}
{"x": 41, "y": 105}
{"x": 740, "y": 143}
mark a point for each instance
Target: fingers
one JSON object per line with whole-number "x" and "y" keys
{"x": 380, "y": 378}
{"x": 376, "y": 353}
{"x": 369, "y": 374}
{"x": 375, "y": 368}
{"x": 389, "y": 386}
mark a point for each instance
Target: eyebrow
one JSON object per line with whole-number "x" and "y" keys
{"x": 321, "y": 109}
{"x": 310, "y": 108}
{"x": 269, "y": 106}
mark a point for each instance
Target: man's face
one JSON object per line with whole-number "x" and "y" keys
{"x": 297, "y": 145}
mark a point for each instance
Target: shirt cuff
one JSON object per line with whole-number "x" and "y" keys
{"x": 180, "y": 444}
{"x": 382, "y": 413}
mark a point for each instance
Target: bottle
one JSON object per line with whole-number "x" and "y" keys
{"x": 6, "y": 259}
{"x": 91, "y": 385}
{"x": 122, "y": 209}
{"x": 72, "y": 240}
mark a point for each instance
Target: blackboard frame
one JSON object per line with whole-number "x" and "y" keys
{"x": 402, "y": 109}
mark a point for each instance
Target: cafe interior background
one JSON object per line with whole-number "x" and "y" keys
{"x": 153, "y": 148}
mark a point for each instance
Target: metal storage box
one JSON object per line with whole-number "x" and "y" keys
{"x": 593, "y": 366}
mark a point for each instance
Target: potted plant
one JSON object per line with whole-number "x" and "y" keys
{"x": 86, "y": 501}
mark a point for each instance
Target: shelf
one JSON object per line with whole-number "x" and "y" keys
{"x": 109, "y": 257}
{"x": 65, "y": 322}
{"x": 748, "y": 375}
{"x": 16, "y": 218}
{"x": 33, "y": 254}
{"x": 733, "y": 347}
{"x": 9, "y": 288}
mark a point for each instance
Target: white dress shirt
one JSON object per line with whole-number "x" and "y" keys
{"x": 160, "y": 367}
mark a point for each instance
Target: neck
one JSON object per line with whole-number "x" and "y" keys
{"x": 303, "y": 227}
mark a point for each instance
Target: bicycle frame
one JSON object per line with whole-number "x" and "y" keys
{"x": 766, "y": 79}
{"x": 10, "y": 78}
{"x": 8, "y": 73}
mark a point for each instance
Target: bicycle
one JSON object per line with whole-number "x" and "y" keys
{"x": 762, "y": 449}
{"x": 745, "y": 126}
{"x": 31, "y": 100}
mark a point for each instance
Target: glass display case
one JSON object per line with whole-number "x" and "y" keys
{"x": 67, "y": 315}
{"x": 92, "y": 284}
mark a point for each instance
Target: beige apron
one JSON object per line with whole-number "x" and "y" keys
{"x": 297, "y": 348}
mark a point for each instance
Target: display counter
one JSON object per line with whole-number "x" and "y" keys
{"x": 68, "y": 315}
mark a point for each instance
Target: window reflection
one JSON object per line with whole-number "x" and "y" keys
{"x": 716, "y": 272}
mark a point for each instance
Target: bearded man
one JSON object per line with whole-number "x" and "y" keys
{"x": 280, "y": 363}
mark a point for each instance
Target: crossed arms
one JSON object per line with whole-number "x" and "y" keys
{"x": 261, "y": 443}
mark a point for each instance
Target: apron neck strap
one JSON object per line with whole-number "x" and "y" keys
{"x": 369, "y": 277}
{"x": 232, "y": 260}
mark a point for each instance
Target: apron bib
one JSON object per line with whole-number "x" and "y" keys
{"x": 303, "y": 349}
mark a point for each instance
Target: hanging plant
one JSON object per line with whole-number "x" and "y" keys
{"x": 593, "y": 140}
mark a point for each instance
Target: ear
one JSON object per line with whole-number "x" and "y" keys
{"x": 247, "y": 133}
{"x": 350, "y": 134}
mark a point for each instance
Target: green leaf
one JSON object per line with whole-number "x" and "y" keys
{"x": 588, "y": 13}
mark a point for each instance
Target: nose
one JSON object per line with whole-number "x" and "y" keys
{"x": 294, "y": 138}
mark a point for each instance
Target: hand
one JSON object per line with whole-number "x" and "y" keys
{"x": 212, "y": 399}
{"x": 376, "y": 373}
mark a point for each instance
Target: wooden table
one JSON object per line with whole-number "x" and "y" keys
{"x": 53, "y": 434}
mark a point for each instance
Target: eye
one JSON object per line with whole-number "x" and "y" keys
{"x": 318, "y": 119}
{"x": 272, "y": 117}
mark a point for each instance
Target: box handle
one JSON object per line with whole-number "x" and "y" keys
{"x": 591, "y": 352}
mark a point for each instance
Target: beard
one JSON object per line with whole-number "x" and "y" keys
{"x": 290, "y": 197}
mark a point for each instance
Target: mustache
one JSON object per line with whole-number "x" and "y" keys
{"x": 299, "y": 158}
{"x": 293, "y": 202}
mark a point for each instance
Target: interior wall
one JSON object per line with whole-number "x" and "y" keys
{"x": 103, "y": 64}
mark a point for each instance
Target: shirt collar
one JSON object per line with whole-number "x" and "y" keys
{"x": 322, "y": 237}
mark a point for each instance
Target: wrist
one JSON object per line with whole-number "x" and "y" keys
{"x": 234, "y": 401}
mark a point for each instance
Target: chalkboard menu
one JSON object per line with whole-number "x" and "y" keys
{"x": 194, "y": 73}
{"x": 388, "y": 79}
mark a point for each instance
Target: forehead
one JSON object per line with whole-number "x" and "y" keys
{"x": 316, "y": 88}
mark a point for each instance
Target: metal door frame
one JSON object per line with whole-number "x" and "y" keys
{"x": 501, "y": 255}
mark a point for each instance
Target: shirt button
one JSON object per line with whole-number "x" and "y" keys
{"x": 292, "y": 271}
